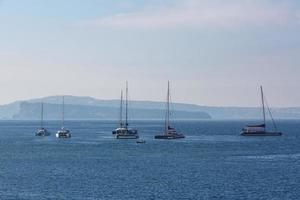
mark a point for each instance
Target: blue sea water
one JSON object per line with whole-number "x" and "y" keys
{"x": 213, "y": 162}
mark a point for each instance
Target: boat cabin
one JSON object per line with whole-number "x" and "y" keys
{"x": 254, "y": 128}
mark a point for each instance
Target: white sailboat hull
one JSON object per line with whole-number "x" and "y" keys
{"x": 63, "y": 134}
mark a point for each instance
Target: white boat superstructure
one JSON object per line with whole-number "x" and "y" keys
{"x": 42, "y": 131}
{"x": 63, "y": 132}
{"x": 128, "y": 134}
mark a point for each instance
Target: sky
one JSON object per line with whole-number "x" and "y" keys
{"x": 214, "y": 52}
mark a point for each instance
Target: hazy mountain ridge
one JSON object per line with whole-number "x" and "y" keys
{"x": 92, "y": 108}
{"x": 31, "y": 111}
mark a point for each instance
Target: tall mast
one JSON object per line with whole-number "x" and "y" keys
{"x": 126, "y": 108}
{"x": 63, "y": 112}
{"x": 121, "y": 110}
{"x": 42, "y": 114}
{"x": 263, "y": 104}
{"x": 167, "y": 122}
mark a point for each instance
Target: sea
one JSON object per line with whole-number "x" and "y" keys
{"x": 212, "y": 162}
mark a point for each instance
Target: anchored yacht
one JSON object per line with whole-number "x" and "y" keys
{"x": 121, "y": 123}
{"x": 261, "y": 129}
{"x": 123, "y": 132}
{"x": 63, "y": 132}
{"x": 169, "y": 132}
{"x": 42, "y": 131}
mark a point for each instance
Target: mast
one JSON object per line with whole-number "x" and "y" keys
{"x": 42, "y": 114}
{"x": 121, "y": 110}
{"x": 263, "y": 105}
{"x": 126, "y": 106}
{"x": 63, "y": 112}
{"x": 167, "y": 122}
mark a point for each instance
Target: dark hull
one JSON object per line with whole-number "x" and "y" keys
{"x": 169, "y": 137}
{"x": 262, "y": 133}
{"x": 42, "y": 135}
{"x": 63, "y": 136}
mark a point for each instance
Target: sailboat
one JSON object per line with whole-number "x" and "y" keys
{"x": 261, "y": 129}
{"x": 63, "y": 133}
{"x": 121, "y": 123}
{"x": 42, "y": 131}
{"x": 169, "y": 132}
{"x": 123, "y": 132}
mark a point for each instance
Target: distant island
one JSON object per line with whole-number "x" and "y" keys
{"x": 88, "y": 108}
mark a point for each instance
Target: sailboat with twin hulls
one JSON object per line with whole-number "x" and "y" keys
{"x": 63, "y": 132}
{"x": 261, "y": 129}
{"x": 169, "y": 132}
{"x": 42, "y": 131}
{"x": 123, "y": 131}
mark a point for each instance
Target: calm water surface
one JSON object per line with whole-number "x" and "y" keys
{"x": 213, "y": 162}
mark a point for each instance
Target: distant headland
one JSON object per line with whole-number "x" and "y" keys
{"x": 89, "y": 108}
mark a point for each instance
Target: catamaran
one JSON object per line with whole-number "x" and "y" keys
{"x": 42, "y": 131}
{"x": 63, "y": 133}
{"x": 261, "y": 129}
{"x": 123, "y": 132}
{"x": 169, "y": 132}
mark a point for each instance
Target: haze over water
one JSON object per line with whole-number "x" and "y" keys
{"x": 214, "y": 52}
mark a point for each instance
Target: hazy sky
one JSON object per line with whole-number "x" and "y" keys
{"x": 214, "y": 52}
